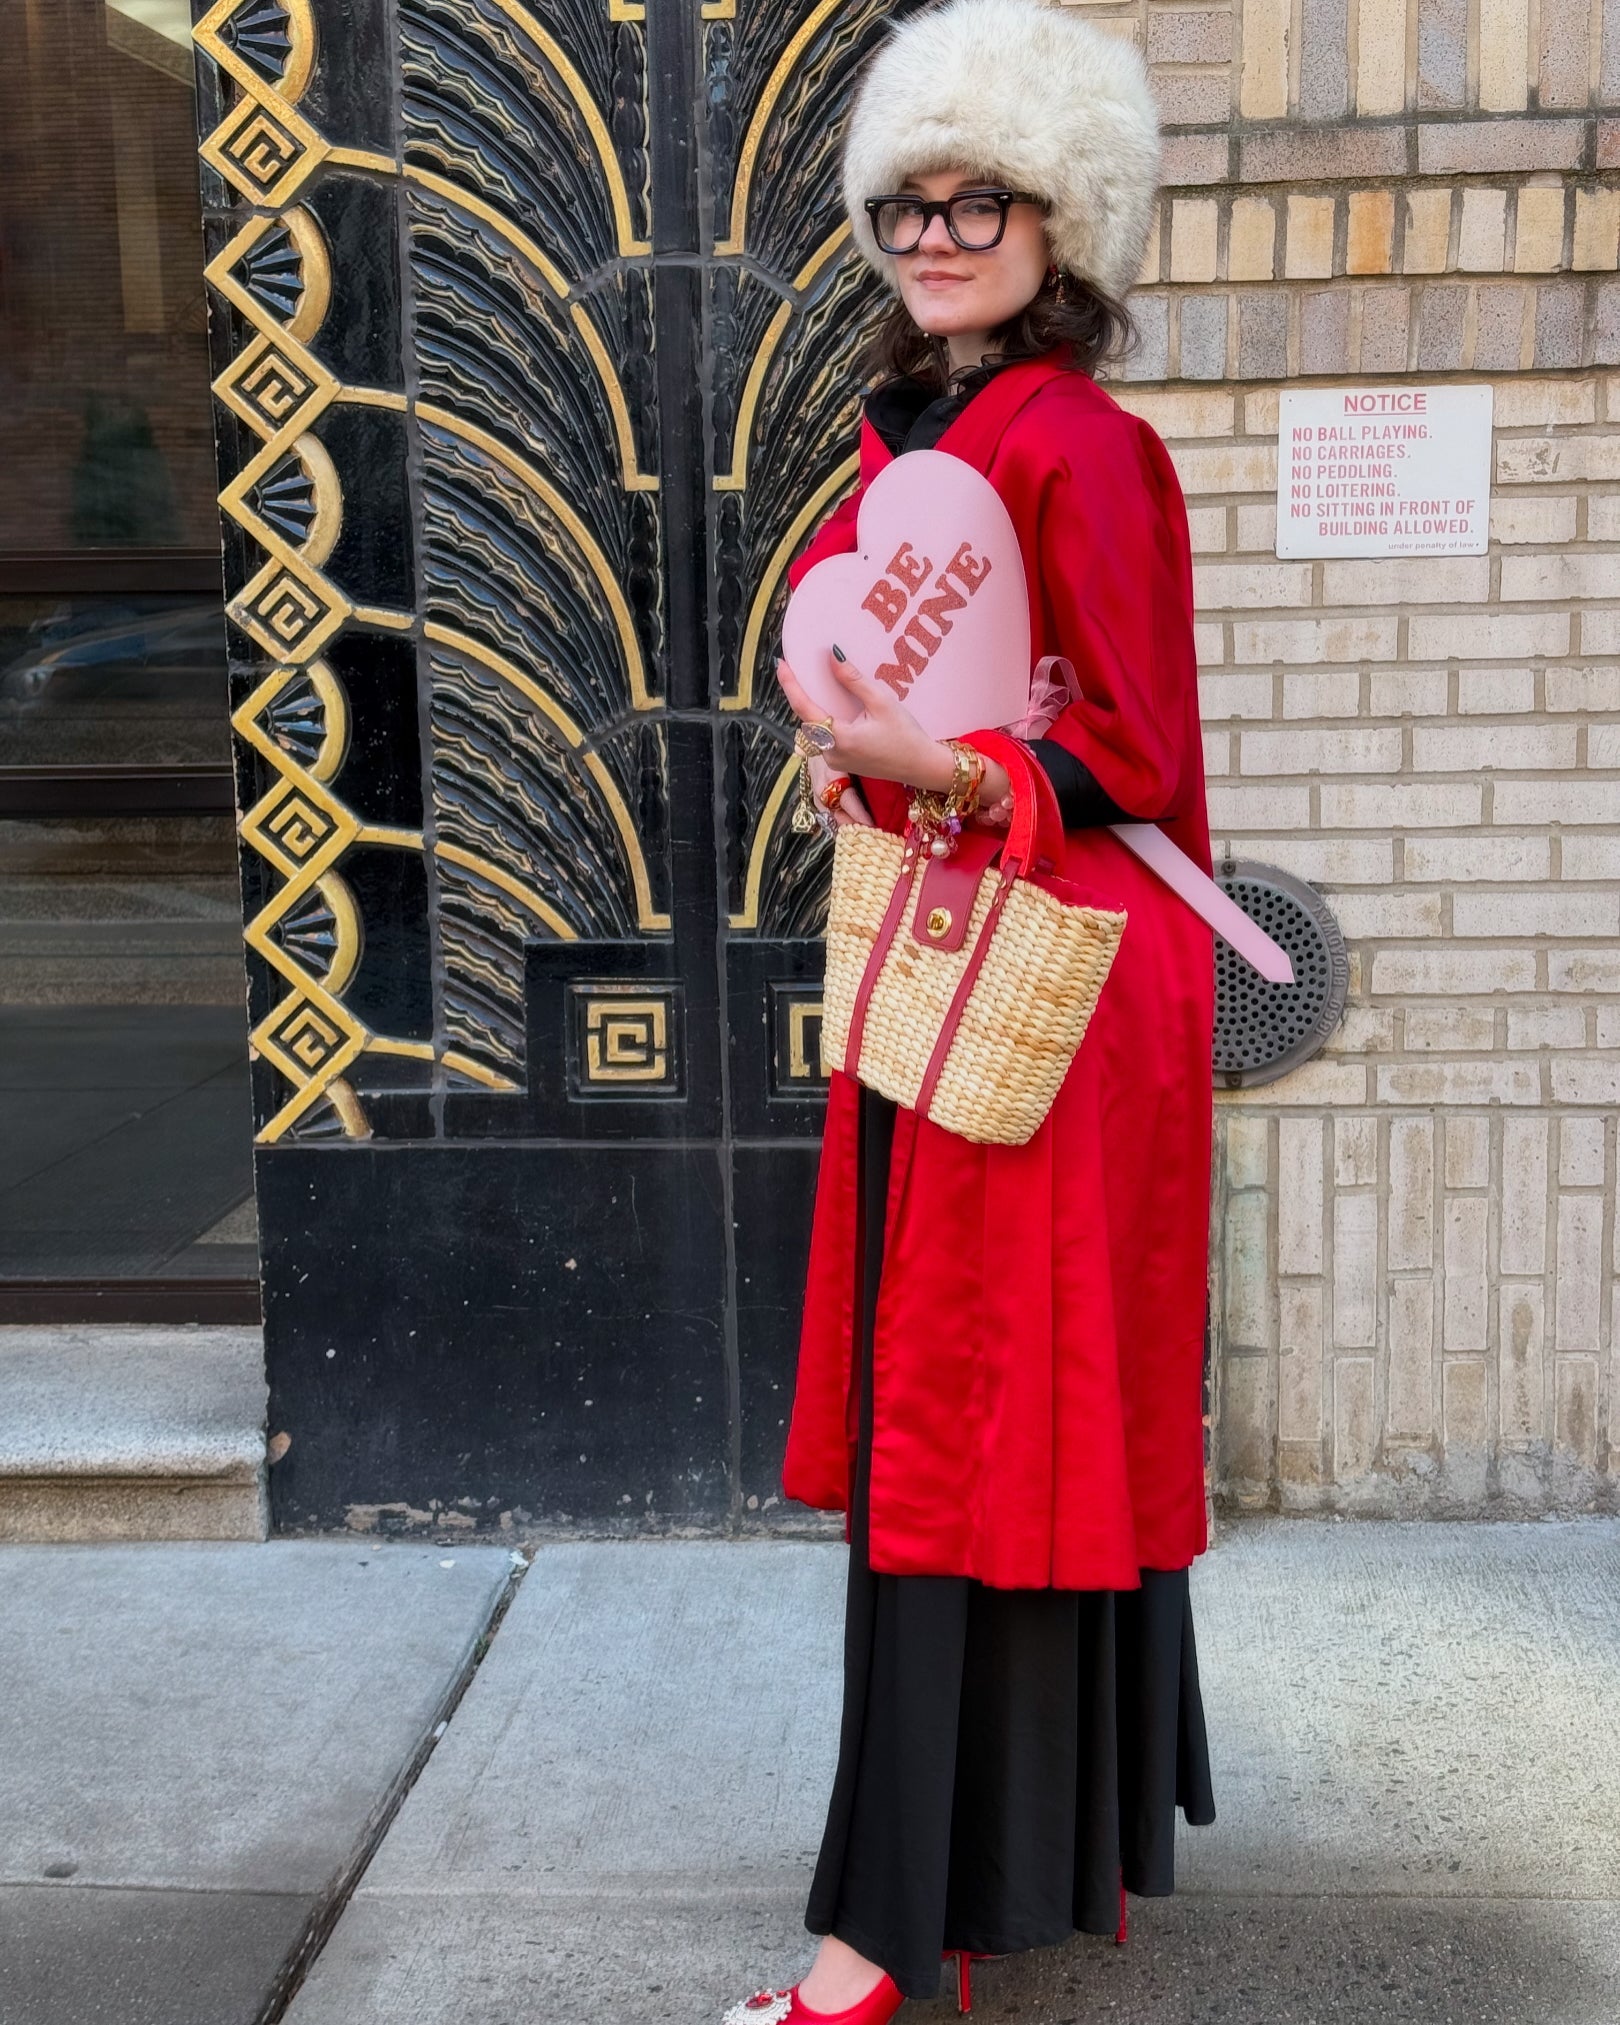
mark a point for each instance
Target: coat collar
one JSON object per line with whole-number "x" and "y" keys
{"x": 979, "y": 428}
{"x": 976, "y": 432}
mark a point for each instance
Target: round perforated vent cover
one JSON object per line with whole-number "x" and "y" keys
{"x": 1263, "y": 1030}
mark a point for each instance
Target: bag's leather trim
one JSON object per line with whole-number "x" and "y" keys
{"x": 959, "y": 999}
{"x": 1034, "y": 817}
{"x": 875, "y": 962}
{"x": 948, "y": 888}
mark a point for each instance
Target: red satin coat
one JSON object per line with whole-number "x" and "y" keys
{"x": 1038, "y": 1347}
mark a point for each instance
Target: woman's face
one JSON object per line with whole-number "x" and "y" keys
{"x": 949, "y": 291}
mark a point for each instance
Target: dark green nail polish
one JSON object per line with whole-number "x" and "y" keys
{"x": 838, "y": 654}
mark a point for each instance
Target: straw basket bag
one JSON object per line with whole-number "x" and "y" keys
{"x": 957, "y": 987}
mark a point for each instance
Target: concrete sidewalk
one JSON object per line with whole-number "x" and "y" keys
{"x": 197, "y": 1746}
{"x": 1417, "y": 1774}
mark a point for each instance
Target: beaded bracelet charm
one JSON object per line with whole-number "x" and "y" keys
{"x": 939, "y": 817}
{"x": 808, "y": 814}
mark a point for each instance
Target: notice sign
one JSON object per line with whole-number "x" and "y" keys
{"x": 1384, "y": 471}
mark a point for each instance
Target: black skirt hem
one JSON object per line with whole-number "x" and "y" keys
{"x": 1006, "y": 1757}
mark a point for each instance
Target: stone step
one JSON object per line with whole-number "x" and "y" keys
{"x": 132, "y": 1432}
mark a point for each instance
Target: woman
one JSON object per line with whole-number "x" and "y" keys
{"x": 1001, "y": 1359}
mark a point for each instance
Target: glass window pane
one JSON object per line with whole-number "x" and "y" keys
{"x": 124, "y": 1117}
{"x": 113, "y": 681}
{"x": 125, "y": 1128}
{"x": 105, "y": 432}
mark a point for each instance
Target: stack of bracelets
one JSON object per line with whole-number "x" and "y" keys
{"x": 937, "y": 818}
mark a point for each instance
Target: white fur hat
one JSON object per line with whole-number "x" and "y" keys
{"x": 1022, "y": 91}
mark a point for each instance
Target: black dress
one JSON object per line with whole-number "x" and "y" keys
{"x": 1006, "y": 1756}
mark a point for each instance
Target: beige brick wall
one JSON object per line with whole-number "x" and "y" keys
{"x": 1417, "y": 1281}
{"x": 1415, "y": 1275}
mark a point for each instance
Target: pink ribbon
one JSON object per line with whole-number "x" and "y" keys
{"x": 1206, "y": 899}
{"x": 1052, "y": 686}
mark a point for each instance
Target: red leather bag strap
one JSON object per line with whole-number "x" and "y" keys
{"x": 959, "y": 999}
{"x": 874, "y": 963}
{"x": 1036, "y": 833}
{"x": 1036, "y": 838}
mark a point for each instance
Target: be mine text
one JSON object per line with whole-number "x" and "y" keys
{"x": 891, "y": 597}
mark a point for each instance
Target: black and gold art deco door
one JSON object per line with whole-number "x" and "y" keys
{"x": 533, "y": 322}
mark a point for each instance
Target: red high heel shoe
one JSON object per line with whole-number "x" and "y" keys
{"x": 787, "y": 2007}
{"x": 964, "y": 1976}
{"x": 964, "y": 1960}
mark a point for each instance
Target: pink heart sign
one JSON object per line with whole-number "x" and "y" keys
{"x": 933, "y": 601}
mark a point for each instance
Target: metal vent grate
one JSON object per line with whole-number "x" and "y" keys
{"x": 1263, "y": 1030}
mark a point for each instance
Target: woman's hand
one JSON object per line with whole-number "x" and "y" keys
{"x": 884, "y": 741}
{"x": 849, "y": 808}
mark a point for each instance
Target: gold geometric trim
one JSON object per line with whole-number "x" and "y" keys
{"x": 464, "y": 1065}
{"x": 389, "y": 838}
{"x": 348, "y": 937}
{"x": 311, "y": 1039}
{"x": 245, "y": 720}
{"x": 452, "y": 1058}
{"x": 303, "y": 1038}
{"x": 347, "y": 1105}
{"x": 326, "y": 492}
{"x": 265, "y": 152}
{"x": 301, "y": 829}
{"x": 372, "y": 397}
{"x": 833, "y": 243}
{"x": 292, "y": 611}
{"x": 499, "y": 224}
{"x": 275, "y": 386}
{"x": 736, "y": 480}
{"x": 315, "y": 273}
{"x": 363, "y": 158}
{"x": 327, "y": 525}
{"x": 291, "y": 84}
{"x": 635, "y": 479}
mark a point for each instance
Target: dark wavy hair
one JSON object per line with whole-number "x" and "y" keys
{"x": 1066, "y": 312}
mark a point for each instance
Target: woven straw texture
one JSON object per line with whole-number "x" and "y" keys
{"x": 1025, "y": 1016}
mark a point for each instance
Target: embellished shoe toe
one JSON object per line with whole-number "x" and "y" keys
{"x": 787, "y": 2007}
{"x": 765, "y": 2007}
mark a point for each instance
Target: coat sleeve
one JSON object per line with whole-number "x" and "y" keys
{"x": 1116, "y": 584}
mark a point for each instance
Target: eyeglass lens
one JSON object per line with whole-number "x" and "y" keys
{"x": 974, "y": 220}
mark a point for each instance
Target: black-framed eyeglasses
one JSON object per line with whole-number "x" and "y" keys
{"x": 975, "y": 219}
